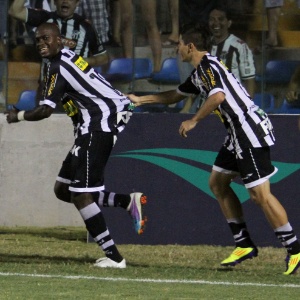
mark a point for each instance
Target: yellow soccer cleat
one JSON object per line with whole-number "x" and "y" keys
{"x": 238, "y": 255}
{"x": 292, "y": 264}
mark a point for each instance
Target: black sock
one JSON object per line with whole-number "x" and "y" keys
{"x": 288, "y": 238}
{"x": 240, "y": 233}
{"x": 109, "y": 199}
{"x": 96, "y": 226}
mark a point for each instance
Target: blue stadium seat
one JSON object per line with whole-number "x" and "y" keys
{"x": 265, "y": 101}
{"x": 127, "y": 69}
{"x": 26, "y": 100}
{"x": 278, "y": 71}
{"x": 169, "y": 72}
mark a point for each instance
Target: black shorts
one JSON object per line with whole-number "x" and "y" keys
{"x": 83, "y": 167}
{"x": 253, "y": 165}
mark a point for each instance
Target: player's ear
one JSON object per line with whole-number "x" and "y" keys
{"x": 59, "y": 41}
{"x": 229, "y": 23}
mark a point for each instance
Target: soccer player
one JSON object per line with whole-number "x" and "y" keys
{"x": 245, "y": 152}
{"x": 93, "y": 104}
{"x": 77, "y": 33}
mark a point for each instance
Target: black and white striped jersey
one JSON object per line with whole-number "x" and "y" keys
{"x": 77, "y": 33}
{"x": 91, "y": 101}
{"x": 246, "y": 123}
{"x": 236, "y": 55}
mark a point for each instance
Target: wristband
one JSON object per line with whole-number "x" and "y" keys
{"x": 21, "y": 115}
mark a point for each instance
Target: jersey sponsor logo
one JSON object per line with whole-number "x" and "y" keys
{"x": 70, "y": 108}
{"x": 81, "y": 63}
{"x": 52, "y": 84}
{"x": 218, "y": 113}
{"x": 211, "y": 77}
{"x": 223, "y": 64}
{"x": 69, "y": 43}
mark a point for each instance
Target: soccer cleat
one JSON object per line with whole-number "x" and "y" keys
{"x": 238, "y": 255}
{"x": 135, "y": 208}
{"x": 292, "y": 264}
{"x": 105, "y": 262}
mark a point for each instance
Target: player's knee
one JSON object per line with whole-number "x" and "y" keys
{"x": 62, "y": 192}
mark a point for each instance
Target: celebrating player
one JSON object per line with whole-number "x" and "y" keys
{"x": 93, "y": 105}
{"x": 245, "y": 152}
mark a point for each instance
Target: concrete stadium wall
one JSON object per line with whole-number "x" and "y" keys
{"x": 30, "y": 157}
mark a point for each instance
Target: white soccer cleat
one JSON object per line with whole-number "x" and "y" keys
{"x": 105, "y": 262}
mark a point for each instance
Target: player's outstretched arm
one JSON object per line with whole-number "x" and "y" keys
{"x": 168, "y": 97}
{"x": 39, "y": 113}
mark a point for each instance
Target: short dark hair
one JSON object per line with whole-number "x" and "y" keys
{"x": 198, "y": 34}
{"x": 224, "y": 9}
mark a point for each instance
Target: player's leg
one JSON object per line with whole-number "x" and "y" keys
{"x": 96, "y": 226}
{"x": 134, "y": 203}
{"x": 225, "y": 169}
{"x": 126, "y": 10}
{"x": 277, "y": 218}
{"x": 148, "y": 8}
{"x": 89, "y": 156}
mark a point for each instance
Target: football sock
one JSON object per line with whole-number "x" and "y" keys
{"x": 240, "y": 233}
{"x": 288, "y": 238}
{"x": 96, "y": 226}
{"x": 109, "y": 199}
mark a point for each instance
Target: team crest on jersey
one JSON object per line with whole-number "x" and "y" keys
{"x": 52, "y": 84}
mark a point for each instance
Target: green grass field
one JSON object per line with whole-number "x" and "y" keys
{"x": 57, "y": 263}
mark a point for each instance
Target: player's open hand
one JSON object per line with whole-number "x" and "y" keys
{"x": 12, "y": 115}
{"x": 135, "y": 99}
{"x": 186, "y": 126}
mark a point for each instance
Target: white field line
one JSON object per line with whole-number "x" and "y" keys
{"x": 152, "y": 280}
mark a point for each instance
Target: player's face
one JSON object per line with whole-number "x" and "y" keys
{"x": 218, "y": 24}
{"x": 183, "y": 50}
{"x": 65, "y": 8}
{"x": 47, "y": 43}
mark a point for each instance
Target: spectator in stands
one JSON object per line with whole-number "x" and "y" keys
{"x": 233, "y": 51}
{"x": 78, "y": 34}
{"x": 273, "y": 9}
{"x": 293, "y": 91}
{"x": 94, "y": 105}
{"x": 148, "y": 10}
{"x": 174, "y": 35}
{"x": 96, "y": 12}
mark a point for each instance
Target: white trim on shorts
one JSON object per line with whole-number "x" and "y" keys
{"x": 63, "y": 180}
{"x": 248, "y": 185}
{"x": 87, "y": 189}
{"x": 260, "y": 180}
{"x": 224, "y": 171}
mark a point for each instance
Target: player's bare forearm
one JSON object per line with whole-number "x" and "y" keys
{"x": 39, "y": 113}
{"x": 168, "y": 97}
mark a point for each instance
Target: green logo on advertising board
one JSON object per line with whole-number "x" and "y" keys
{"x": 167, "y": 158}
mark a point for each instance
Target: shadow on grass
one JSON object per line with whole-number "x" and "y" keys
{"x": 60, "y": 233}
{"x": 42, "y": 259}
